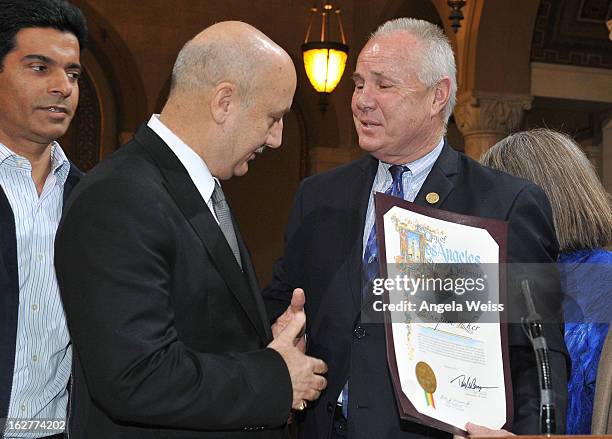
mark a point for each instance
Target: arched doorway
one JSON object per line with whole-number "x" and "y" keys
{"x": 93, "y": 132}
{"x": 112, "y": 101}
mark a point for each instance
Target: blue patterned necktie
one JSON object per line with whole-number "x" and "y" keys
{"x": 370, "y": 255}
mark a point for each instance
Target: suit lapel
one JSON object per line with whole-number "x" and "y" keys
{"x": 249, "y": 272}
{"x": 357, "y": 196}
{"x": 195, "y": 210}
{"x": 439, "y": 180}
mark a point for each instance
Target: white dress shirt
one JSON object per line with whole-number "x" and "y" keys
{"x": 193, "y": 163}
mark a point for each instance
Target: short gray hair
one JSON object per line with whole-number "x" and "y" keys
{"x": 581, "y": 207}
{"x": 437, "y": 58}
{"x": 202, "y": 66}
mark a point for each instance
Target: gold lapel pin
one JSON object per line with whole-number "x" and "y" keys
{"x": 432, "y": 197}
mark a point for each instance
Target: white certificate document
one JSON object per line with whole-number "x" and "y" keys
{"x": 451, "y": 371}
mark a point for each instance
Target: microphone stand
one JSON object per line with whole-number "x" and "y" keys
{"x": 532, "y": 325}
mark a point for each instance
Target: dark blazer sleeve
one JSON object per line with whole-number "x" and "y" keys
{"x": 532, "y": 252}
{"x": 114, "y": 267}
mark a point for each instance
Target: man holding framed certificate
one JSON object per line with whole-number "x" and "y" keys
{"x": 404, "y": 93}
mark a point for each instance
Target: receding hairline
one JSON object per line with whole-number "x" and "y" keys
{"x": 240, "y": 34}
{"x": 400, "y": 33}
{"x": 227, "y": 52}
{"x": 406, "y": 59}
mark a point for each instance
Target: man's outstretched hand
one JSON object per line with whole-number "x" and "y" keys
{"x": 297, "y": 306}
{"x": 305, "y": 371}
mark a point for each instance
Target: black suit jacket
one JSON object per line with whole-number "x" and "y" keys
{"x": 9, "y": 292}
{"x": 169, "y": 334}
{"x": 323, "y": 254}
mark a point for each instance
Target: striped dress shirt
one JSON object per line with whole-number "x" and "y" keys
{"x": 43, "y": 354}
{"x": 412, "y": 182}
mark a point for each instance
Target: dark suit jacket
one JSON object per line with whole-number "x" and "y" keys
{"x": 9, "y": 292}
{"x": 323, "y": 255}
{"x": 169, "y": 334}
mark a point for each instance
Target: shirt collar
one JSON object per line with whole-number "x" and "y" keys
{"x": 420, "y": 166}
{"x": 193, "y": 163}
{"x": 5, "y": 153}
{"x": 60, "y": 165}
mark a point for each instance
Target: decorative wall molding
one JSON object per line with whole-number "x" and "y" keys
{"x": 489, "y": 112}
{"x": 484, "y": 118}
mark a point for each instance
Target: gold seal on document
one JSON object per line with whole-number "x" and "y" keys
{"x": 426, "y": 377}
{"x": 432, "y": 197}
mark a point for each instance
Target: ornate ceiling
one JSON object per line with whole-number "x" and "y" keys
{"x": 573, "y": 32}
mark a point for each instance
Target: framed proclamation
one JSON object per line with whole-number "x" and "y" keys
{"x": 441, "y": 296}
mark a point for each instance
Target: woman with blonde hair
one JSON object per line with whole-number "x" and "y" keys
{"x": 583, "y": 220}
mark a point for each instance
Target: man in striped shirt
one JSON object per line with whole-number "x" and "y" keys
{"x": 40, "y": 45}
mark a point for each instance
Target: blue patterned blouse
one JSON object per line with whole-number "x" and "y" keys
{"x": 586, "y": 281}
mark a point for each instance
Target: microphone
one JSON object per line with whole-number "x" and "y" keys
{"x": 532, "y": 325}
